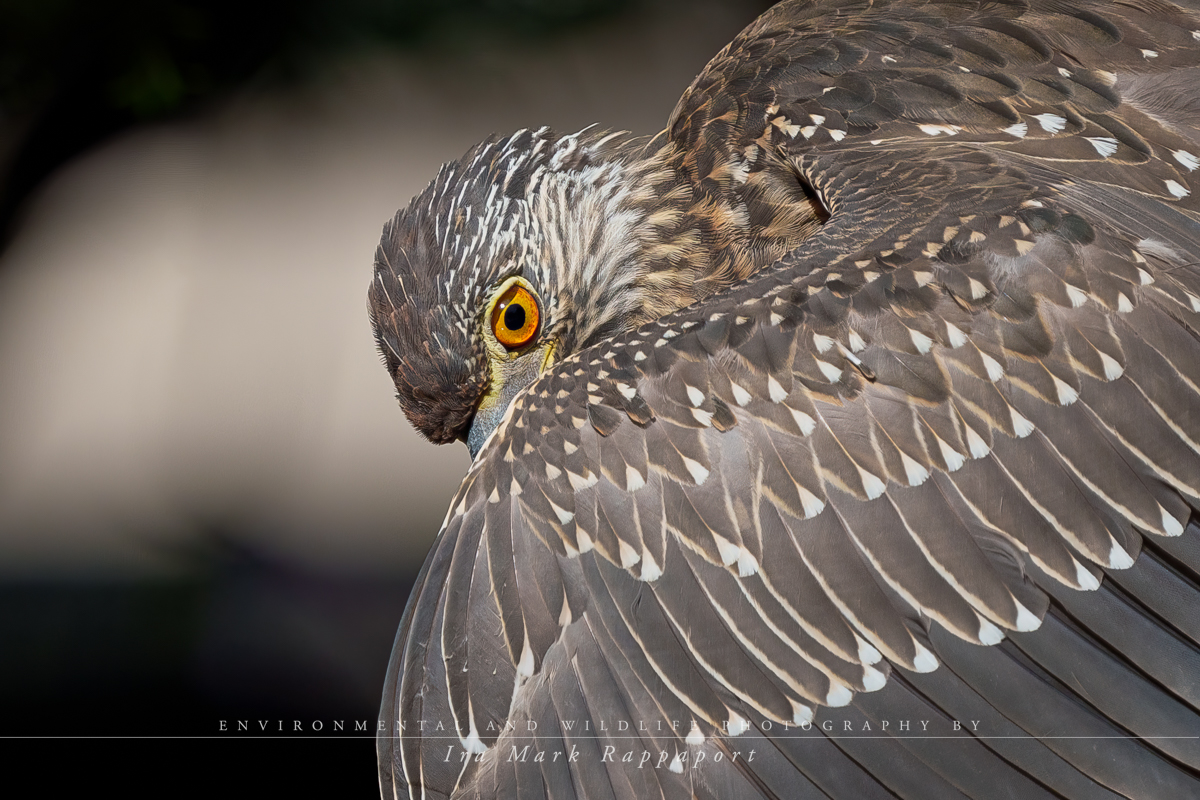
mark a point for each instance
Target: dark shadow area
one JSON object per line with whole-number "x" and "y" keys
{"x": 242, "y": 648}
{"x": 242, "y": 638}
{"x": 74, "y": 72}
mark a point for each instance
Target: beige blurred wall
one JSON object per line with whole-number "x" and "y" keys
{"x": 183, "y": 336}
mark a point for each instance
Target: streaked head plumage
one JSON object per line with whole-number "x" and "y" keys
{"x": 508, "y": 207}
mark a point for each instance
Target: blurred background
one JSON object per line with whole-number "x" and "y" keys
{"x": 211, "y": 506}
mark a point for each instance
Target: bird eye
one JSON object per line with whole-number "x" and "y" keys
{"x": 515, "y": 317}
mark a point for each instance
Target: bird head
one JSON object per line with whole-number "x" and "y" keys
{"x": 518, "y": 254}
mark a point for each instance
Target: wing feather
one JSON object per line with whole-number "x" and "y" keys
{"x": 965, "y": 412}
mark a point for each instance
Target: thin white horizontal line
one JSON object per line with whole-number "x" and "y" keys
{"x": 739, "y": 738}
{"x": 596, "y": 738}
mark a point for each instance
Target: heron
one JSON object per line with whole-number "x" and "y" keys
{"x": 840, "y": 440}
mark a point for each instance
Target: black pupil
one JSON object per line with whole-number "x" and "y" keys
{"x": 514, "y": 317}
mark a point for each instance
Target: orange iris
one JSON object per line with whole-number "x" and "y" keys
{"x": 515, "y": 317}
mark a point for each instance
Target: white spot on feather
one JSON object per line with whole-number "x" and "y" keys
{"x": 651, "y": 571}
{"x": 578, "y": 482}
{"x": 564, "y": 616}
{"x": 1170, "y": 525}
{"x": 954, "y": 460}
{"x": 1123, "y": 303}
{"x": 736, "y": 725}
{"x": 473, "y": 744}
{"x": 697, "y": 470}
{"x": 563, "y": 515}
{"x": 1177, "y": 189}
{"x": 1118, "y": 558}
{"x": 956, "y": 335}
{"x": 801, "y": 714}
{"x": 913, "y": 470}
{"x": 627, "y": 391}
{"x": 740, "y": 395}
{"x": 989, "y": 634}
{"x": 703, "y": 417}
{"x": 804, "y": 422}
{"x": 1026, "y": 619}
{"x": 775, "y": 389}
{"x": 695, "y": 737}
{"x": 856, "y": 342}
{"x": 1051, "y": 123}
{"x": 584, "y": 540}
{"x": 822, "y": 342}
{"x": 1112, "y": 367}
{"x": 866, "y": 653}
{"x": 872, "y": 485}
{"x": 994, "y": 371}
{"x": 1018, "y": 130}
{"x": 1021, "y": 426}
{"x": 525, "y": 665}
{"x": 694, "y": 395}
{"x": 785, "y": 125}
{"x": 1104, "y": 145}
{"x": 676, "y": 765}
{"x": 1066, "y": 393}
{"x": 727, "y": 550}
{"x": 920, "y": 341}
{"x": 747, "y": 564}
{"x": 633, "y": 479}
{"x": 1149, "y": 54}
{"x": 629, "y": 556}
{"x": 924, "y": 661}
{"x": 817, "y": 119}
{"x": 976, "y": 444}
{"x": 873, "y": 679}
{"x": 888, "y": 60}
{"x": 978, "y": 290}
{"x": 837, "y": 136}
{"x": 839, "y": 695}
{"x": 811, "y": 504}
{"x": 1076, "y": 295}
{"x": 1188, "y": 160}
{"x": 1085, "y": 579}
{"x": 937, "y": 130}
{"x": 831, "y": 373}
